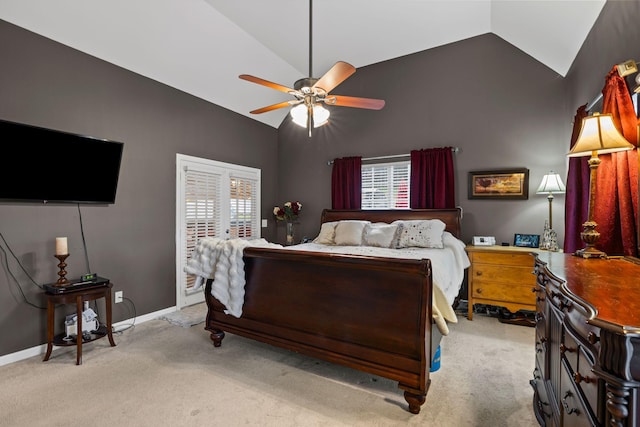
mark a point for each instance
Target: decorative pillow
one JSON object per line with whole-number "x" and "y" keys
{"x": 380, "y": 234}
{"x": 327, "y": 233}
{"x": 349, "y": 232}
{"x": 421, "y": 233}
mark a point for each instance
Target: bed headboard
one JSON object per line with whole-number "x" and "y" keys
{"x": 451, "y": 217}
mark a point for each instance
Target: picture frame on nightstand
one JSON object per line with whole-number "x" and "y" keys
{"x": 526, "y": 240}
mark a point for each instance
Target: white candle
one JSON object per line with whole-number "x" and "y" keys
{"x": 61, "y": 246}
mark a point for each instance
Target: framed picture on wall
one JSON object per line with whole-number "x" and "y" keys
{"x": 499, "y": 184}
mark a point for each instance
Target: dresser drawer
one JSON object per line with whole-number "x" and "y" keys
{"x": 501, "y": 292}
{"x": 572, "y": 405}
{"x": 508, "y": 275}
{"x": 523, "y": 259}
{"x": 587, "y": 382}
{"x": 569, "y": 349}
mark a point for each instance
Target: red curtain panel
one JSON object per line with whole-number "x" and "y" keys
{"x": 576, "y": 205}
{"x": 616, "y": 205}
{"x": 346, "y": 183}
{"x": 432, "y": 179}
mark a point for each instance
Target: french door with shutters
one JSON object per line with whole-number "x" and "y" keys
{"x": 213, "y": 199}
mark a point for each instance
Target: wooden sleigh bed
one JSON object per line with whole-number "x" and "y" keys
{"x": 372, "y": 314}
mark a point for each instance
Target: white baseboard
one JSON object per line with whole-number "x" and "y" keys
{"x": 41, "y": 349}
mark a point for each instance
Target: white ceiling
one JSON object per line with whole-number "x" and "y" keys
{"x": 201, "y": 46}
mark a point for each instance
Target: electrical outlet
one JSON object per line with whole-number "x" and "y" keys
{"x": 118, "y": 296}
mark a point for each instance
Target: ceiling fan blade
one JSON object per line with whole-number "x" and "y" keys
{"x": 336, "y": 75}
{"x": 275, "y": 107}
{"x": 266, "y": 83}
{"x": 355, "y": 102}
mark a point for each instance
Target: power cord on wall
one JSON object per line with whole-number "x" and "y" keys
{"x": 127, "y": 326}
{"x": 84, "y": 243}
{"x": 15, "y": 279}
{"x": 86, "y": 254}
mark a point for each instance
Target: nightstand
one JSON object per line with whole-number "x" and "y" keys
{"x": 501, "y": 276}
{"x": 78, "y": 297}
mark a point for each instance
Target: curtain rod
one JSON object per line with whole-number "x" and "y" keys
{"x": 394, "y": 156}
{"x": 594, "y": 102}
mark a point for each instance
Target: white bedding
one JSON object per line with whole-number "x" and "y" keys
{"x": 447, "y": 265}
{"x": 222, "y": 261}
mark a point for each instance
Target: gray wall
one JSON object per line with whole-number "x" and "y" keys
{"x": 499, "y": 106}
{"x": 132, "y": 242}
{"x": 502, "y": 108}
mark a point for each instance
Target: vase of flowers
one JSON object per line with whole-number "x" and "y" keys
{"x": 289, "y": 213}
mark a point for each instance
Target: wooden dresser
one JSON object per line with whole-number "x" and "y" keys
{"x": 501, "y": 276}
{"x": 587, "y": 345}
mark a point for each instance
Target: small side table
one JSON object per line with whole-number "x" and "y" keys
{"x": 78, "y": 297}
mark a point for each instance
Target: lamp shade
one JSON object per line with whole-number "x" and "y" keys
{"x": 551, "y": 183}
{"x": 599, "y": 134}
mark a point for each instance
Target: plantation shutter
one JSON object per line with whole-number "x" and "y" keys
{"x": 243, "y": 200}
{"x": 385, "y": 185}
{"x": 202, "y": 212}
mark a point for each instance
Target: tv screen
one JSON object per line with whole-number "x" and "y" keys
{"x": 45, "y": 165}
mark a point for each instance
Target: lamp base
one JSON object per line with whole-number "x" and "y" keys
{"x": 590, "y": 236}
{"x": 549, "y": 239}
{"x": 590, "y": 252}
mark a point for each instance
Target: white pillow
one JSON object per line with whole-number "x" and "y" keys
{"x": 349, "y": 232}
{"x": 421, "y": 233}
{"x": 327, "y": 233}
{"x": 380, "y": 234}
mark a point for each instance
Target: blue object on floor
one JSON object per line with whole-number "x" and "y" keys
{"x": 435, "y": 363}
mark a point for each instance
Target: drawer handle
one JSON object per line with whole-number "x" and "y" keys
{"x": 578, "y": 378}
{"x": 566, "y": 405}
{"x": 566, "y": 304}
{"x": 534, "y": 289}
{"x": 478, "y": 273}
{"x": 479, "y": 290}
{"x": 593, "y": 338}
{"x": 564, "y": 349}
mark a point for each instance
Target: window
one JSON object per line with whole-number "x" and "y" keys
{"x": 386, "y": 185}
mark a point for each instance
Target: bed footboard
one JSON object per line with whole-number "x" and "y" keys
{"x": 368, "y": 313}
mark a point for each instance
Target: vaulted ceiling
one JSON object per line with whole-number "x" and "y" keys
{"x": 201, "y": 46}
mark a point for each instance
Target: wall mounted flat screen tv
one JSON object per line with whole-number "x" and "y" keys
{"x": 45, "y": 165}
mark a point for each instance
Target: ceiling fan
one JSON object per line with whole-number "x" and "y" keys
{"x": 310, "y": 93}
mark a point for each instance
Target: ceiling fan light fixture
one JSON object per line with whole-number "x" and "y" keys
{"x": 299, "y": 115}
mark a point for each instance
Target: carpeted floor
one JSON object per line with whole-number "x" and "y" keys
{"x": 187, "y": 317}
{"x": 161, "y": 374}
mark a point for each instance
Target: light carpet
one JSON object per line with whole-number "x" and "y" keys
{"x": 187, "y": 317}
{"x": 163, "y": 375}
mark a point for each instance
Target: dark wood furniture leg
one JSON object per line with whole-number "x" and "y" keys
{"x": 79, "y": 336}
{"x": 107, "y": 302}
{"x": 217, "y": 336}
{"x": 50, "y": 330}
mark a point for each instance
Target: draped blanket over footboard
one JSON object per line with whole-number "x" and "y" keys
{"x": 368, "y": 313}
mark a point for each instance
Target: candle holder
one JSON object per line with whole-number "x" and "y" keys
{"x": 62, "y": 273}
